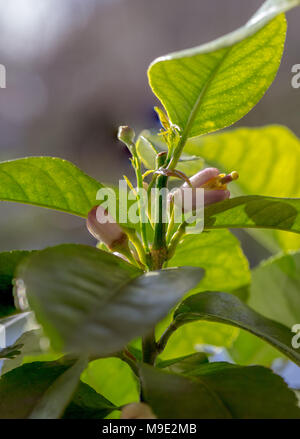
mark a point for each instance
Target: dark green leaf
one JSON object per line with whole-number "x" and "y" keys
{"x": 218, "y": 390}
{"x": 255, "y": 211}
{"x": 228, "y": 309}
{"x": 23, "y": 389}
{"x": 57, "y": 396}
{"x": 91, "y": 301}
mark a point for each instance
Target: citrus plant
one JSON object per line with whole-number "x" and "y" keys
{"x": 124, "y": 322}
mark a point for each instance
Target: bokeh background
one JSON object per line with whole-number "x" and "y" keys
{"x": 76, "y": 70}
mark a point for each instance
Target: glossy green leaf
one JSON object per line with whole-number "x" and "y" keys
{"x": 212, "y": 86}
{"x": 48, "y": 182}
{"x": 98, "y": 302}
{"x": 275, "y": 289}
{"x": 114, "y": 379}
{"x": 228, "y": 309}
{"x": 218, "y": 391}
{"x": 255, "y": 211}
{"x": 23, "y": 389}
{"x": 8, "y": 264}
{"x": 241, "y": 149}
{"x": 220, "y": 254}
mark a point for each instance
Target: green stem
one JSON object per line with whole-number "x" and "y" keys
{"x": 159, "y": 241}
{"x": 161, "y": 344}
{"x": 176, "y": 238}
{"x": 149, "y": 348}
{"x": 141, "y": 202}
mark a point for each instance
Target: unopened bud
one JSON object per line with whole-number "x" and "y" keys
{"x": 104, "y": 228}
{"x": 126, "y": 135}
{"x": 210, "y": 180}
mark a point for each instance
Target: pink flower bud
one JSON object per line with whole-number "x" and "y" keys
{"x": 104, "y": 228}
{"x": 208, "y": 179}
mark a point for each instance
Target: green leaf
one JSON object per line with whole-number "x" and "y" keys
{"x": 254, "y": 211}
{"x": 218, "y": 391}
{"x": 220, "y": 254}
{"x": 8, "y": 264}
{"x": 183, "y": 364}
{"x": 228, "y": 309}
{"x": 10, "y": 352}
{"x": 23, "y": 389}
{"x": 114, "y": 379}
{"x": 192, "y": 338}
{"x": 56, "y": 398}
{"x": 209, "y": 87}
{"x": 98, "y": 302}
{"x": 30, "y": 344}
{"x": 241, "y": 149}
{"x": 48, "y": 182}
{"x": 275, "y": 289}
{"x": 248, "y": 349}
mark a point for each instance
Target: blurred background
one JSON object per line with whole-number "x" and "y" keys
{"x": 76, "y": 70}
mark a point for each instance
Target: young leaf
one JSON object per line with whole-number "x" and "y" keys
{"x": 241, "y": 149}
{"x": 228, "y": 309}
{"x": 212, "y": 86}
{"x": 255, "y": 211}
{"x": 90, "y": 301}
{"x": 8, "y": 264}
{"x": 218, "y": 391}
{"x": 220, "y": 254}
{"x": 275, "y": 287}
{"x": 23, "y": 389}
{"x": 48, "y": 182}
{"x": 149, "y": 145}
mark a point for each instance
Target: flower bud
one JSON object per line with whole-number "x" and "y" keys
{"x": 213, "y": 183}
{"x": 126, "y": 135}
{"x": 104, "y": 228}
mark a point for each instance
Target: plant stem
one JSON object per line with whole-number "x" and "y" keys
{"x": 161, "y": 344}
{"x": 159, "y": 248}
{"x": 149, "y": 348}
{"x": 141, "y": 203}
